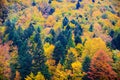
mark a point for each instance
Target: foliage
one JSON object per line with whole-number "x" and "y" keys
{"x": 100, "y": 67}
{"x": 5, "y": 70}
{"x": 39, "y": 76}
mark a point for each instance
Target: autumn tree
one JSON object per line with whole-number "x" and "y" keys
{"x": 100, "y": 67}
{"x": 38, "y": 76}
{"x": 17, "y": 76}
{"x": 5, "y": 70}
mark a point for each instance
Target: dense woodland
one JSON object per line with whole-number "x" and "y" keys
{"x": 59, "y": 40}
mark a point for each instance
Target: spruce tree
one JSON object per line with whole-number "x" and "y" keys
{"x": 65, "y": 21}
{"x": 39, "y": 58}
{"x": 78, "y": 5}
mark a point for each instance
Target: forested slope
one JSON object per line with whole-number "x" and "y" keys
{"x": 59, "y": 39}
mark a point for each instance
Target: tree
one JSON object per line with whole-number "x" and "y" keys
{"x": 29, "y": 31}
{"x": 78, "y": 5}
{"x": 100, "y": 67}
{"x": 91, "y": 28}
{"x": 31, "y": 76}
{"x": 86, "y": 64}
{"x": 65, "y": 21}
{"x": 78, "y": 30}
{"x": 39, "y": 58}
{"x": 70, "y": 42}
{"x": 24, "y": 59}
{"x": 39, "y": 76}
{"x": 92, "y": 45}
{"x": 93, "y": 1}
{"x": 85, "y": 67}
{"x": 77, "y": 40}
{"x": 116, "y": 42}
{"x": 77, "y": 71}
{"x": 69, "y": 60}
{"x": 62, "y": 38}
{"x": 5, "y": 70}
{"x": 59, "y": 52}
{"x": 17, "y": 76}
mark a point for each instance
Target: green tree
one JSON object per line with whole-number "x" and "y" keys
{"x": 59, "y": 52}
{"x": 91, "y": 28}
{"x": 65, "y": 21}
{"x": 39, "y": 58}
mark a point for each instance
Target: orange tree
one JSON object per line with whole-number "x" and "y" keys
{"x": 100, "y": 69}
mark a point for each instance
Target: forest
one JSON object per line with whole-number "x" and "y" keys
{"x": 59, "y": 39}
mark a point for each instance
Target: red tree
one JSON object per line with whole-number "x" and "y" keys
{"x": 5, "y": 70}
{"x": 100, "y": 69}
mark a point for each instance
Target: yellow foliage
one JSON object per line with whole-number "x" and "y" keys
{"x": 77, "y": 70}
{"x": 2, "y": 29}
{"x": 118, "y": 23}
{"x": 51, "y": 65}
{"x": 39, "y": 76}
{"x": 92, "y": 45}
{"x": 59, "y": 74}
{"x": 50, "y": 21}
{"x": 76, "y": 65}
{"x": 74, "y": 51}
{"x": 48, "y": 48}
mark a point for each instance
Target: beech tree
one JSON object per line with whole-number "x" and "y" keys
{"x": 100, "y": 67}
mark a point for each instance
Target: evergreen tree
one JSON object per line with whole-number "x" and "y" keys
{"x": 29, "y": 31}
{"x": 39, "y": 58}
{"x": 62, "y": 38}
{"x": 93, "y": 1}
{"x": 91, "y": 28}
{"x": 78, "y": 30}
{"x": 65, "y": 21}
{"x": 77, "y": 40}
{"x": 59, "y": 52}
{"x": 38, "y": 30}
{"x": 80, "y": 0}
{"x": 52, "y": 39}
{"x": 86, "y": 64}
{"x": 116, "y": 42}
{"x": 78, "y": 5}
{"x": 24, "y": 60}
{"x": 70, "y": 42}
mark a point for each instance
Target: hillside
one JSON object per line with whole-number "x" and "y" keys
{"x": 59, "y": 39}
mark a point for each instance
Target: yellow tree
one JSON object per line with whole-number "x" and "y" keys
{"x": 92, "y": 45}
{"x": 77, "y": 71}
{"x": 59, "y": 73}
{"x": 39, "y": 76}
{"x": 5, "y": 70}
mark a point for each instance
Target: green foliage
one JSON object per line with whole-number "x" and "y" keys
{"x": 59, "y": 52}
{"x": 86, "y": 64}
{"x": 91, "y": 28}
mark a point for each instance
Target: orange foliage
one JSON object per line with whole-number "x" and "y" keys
{"x": 100, "y": 67}
{"x": 4, "y": 60}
